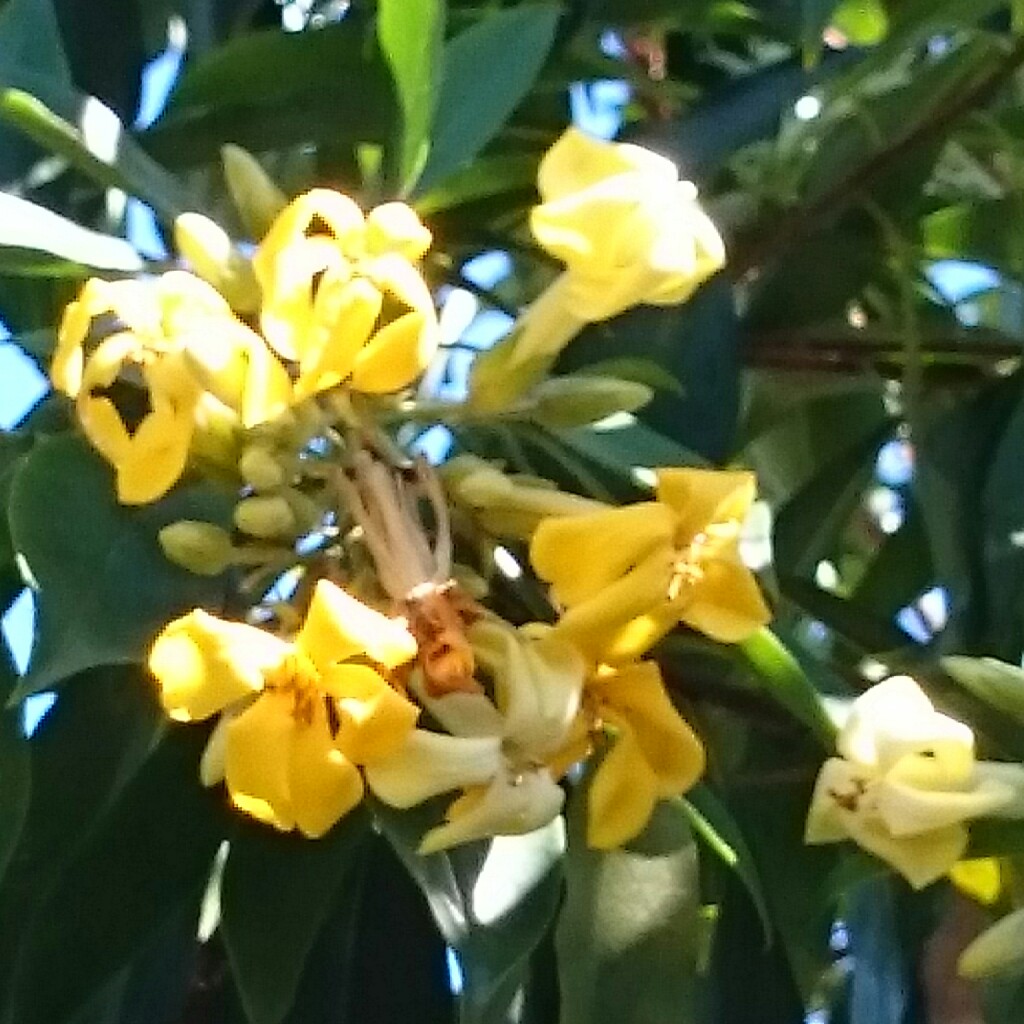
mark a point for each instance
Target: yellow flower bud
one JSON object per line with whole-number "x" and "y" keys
{"x": 257, "y": 199}
{"x": 577, "y": 401}
{"x": 265, "y": 516}
{"x": 208, "y": 249}
{"x": 202, "y": 548}
{"x": 260, "y": 469}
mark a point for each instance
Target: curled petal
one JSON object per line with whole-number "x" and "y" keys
{"x": 921, "y": 859}
{"x": 622, "y": 795}
{"x": 339, "y": 627}
{"x": 375, "y": 718}
{"x": 577, "y": 161}
{"x": 725, "y": 603}
{"x": 395, "y": 227}
{"x": 581, "y": 555}
{"x": 635, "y": 696}
{"x": 825, "y": 822}
{"x": 429, "y": 763}
{"x": 203, "y": 664}
{"x": 397, "y": 354}
{"x": 700, "y": 497}
{"x": 911, "y": 809}
{"x": 509, "y": 806}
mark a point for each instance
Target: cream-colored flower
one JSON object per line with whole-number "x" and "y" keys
{"x": 906, "y": 782}
{"x": 496, "y": 750}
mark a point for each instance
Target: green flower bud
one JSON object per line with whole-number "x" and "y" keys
{"x": 257, "y": 199}
{"x": 305, "y": 511}
{"x": 265, "y": 516}
{"x": 260, "y": 469}
{"x": 201, "y": 548}
{"x": 208, "y": 249}
{"x": 577, "y": 401}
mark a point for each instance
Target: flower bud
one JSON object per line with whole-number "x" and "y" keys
{"x": 265, "y": 516}
{"x": 998, "y": 950}
{"x": 257, "y": 199}
{"x": 305, "y": 511}
{"x": 260, "y": 469}
{"x": 208, "y": 249}
{"x": 577, "y": 401}
{"x": 202, "y": 548}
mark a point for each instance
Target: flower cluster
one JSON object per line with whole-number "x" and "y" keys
{"x": 398, "y": 679}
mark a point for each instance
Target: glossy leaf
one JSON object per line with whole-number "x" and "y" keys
{"x": 505, "y": 49}
{"x": 147, "y": 859}
{"x": 104, "y": 587}
{"x": 492, "y": 901}
{"x": 411, "y": 33}
{"x": 627, "y": 915}
{"x": 275, "y": 896}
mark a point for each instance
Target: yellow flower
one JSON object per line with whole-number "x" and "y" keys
{"x": 165, "y": 342}
{"x": 628, "y": 230}
{"x": 297, "y": 717}
{"x": 341, "y": 295}
{"x": 906, "y": 782}
{"x": 626, "y": 576}
{"x": 498, "y": 752}
{"x": 653, "y": 754}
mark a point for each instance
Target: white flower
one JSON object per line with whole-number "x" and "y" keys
{"x": 905, "y": 783}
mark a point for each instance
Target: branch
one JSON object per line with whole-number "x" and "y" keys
{"x": 803, "y": 221}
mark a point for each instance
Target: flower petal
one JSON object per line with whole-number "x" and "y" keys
{"x": 258, "y": 759}
{"x": 203, "y": 664}
{"x": 701, "y": 497}
{"x": 725, "y": 603}
{"x": 622, "y": 795}
{"x": 509, "y": 806}
{"x": 581, "y": 555}
{"x": 635, "y": 694}
{"x": 375, "y": 718}
{"x": 396, "y": 227}
{"x": 429, "y": 763}
{"x": 324, "y": 784}
{"x": 339, "y": 627}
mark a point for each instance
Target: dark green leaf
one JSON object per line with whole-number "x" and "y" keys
{"x": 493, "y": 902}
{"x": 484, "y": 178}
{"x": 30, "y": 39}
{"x": 276, "y": 894}
{"x": 713, "y": 823}
{"x": 268, "y": 90}
{"x": 15, "y": 770}
{"x": 145, "y": 860}
{"x": 104, "y": 588}
{"x": 880, "y": 992}
{"x": 627, "y": 936}
{"x": 643, "y": 371}
{"x": 506, "y": 49}
{"x": 411, "y": 33}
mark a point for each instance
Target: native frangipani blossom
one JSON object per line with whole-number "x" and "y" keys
{"x": 906, "y": 782}
{"x": 175, "y": 344}
{"x": 629, "y": 233}
{"x": 297, "y": 717}
{"x": 625, "y": 577}
{"x": 342, "y": 296}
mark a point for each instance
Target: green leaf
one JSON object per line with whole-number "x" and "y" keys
{"x": 15, "y": 766}
{"x": 863, "y": 22}
{"x": 484, "y": 178}
{"x": 643, "y": 371}
{"x": 505, "y": 49}
{"x": 269, "y": 90}
{"x": 275, "y": 897}
{"x": 30, "y": 39}
{"x": 91, "y": 138}
{"x": 881, "y": 985}
{"x": 146, "y": 860}
{"x": 627, "y": 937}
{"x": 787, "y": 682}
{"x": 104, "y": 587}
{"x": 492, "y": 901}
{"x": 411, "y": 33}
{"x": 996, "y": 683}
{"x": 36, "y": 240}
{"x": 713, "y": 823}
